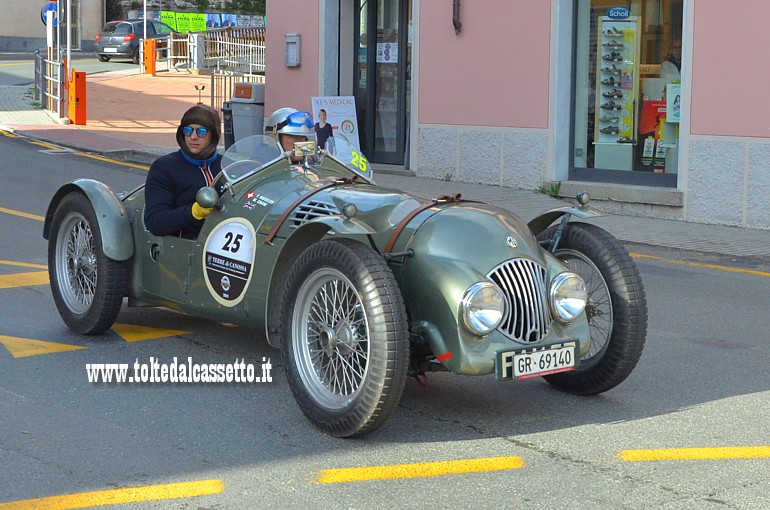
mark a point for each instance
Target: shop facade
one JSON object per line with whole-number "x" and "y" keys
{"x": 524, "y": 93}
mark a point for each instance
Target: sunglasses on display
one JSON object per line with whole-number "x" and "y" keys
{"x": 296, "y": 119}
{"x": 201, "y": 131}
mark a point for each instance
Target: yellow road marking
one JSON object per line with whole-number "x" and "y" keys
{"x": 735, "y": 452}
{"x": 23, "y": 347}
{"x": 120, "y": 496}
{"x": 420, "y": 470}
{"x": 22, "y": 214}
{"x": 132, "y": 333}
{"x": 20, "y": 63}
{"x": 46, "y": 145}
{"x": 8, "y": 134}
{"x": 700, "y": 264}
{"x": 115, "y": 161}
{"x": 10, "y": 281}
{"x": 22, "y": 264}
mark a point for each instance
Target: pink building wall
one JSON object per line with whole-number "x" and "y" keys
{"x": 291, "y": 86}
{"x": 730, "y": 71}
{"x": 494, "y": 73}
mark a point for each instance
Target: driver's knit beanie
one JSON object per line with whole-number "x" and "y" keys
{"x": 207, "y": 117}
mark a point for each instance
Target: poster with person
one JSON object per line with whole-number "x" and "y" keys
{"x": 339, "y": 113}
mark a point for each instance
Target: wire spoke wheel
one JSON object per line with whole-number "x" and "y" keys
{"x": 76, "y": 272}
{"x": 87, "y": 285}
{"x": 331, "y": 336}
{"x": 598, "y": 306}
{"x": 345, "y": 345}
{"x": 616, "y": 309}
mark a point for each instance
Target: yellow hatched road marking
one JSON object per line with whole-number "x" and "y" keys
{"x": 10, "y": 281}
{"x": 120, "y": 496}
{"x": 22, "y": 264}
{"x": 133, "y": 333}
{"x": 24, "y": 347}
{"x": 8, "y": 134}
{"x": 734, "y": 452}
{"x": 22, "y": 214}
{"x": 420, "y": 470}
{"x": 700, "y": 264}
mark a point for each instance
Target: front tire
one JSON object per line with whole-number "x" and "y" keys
{"x": 616, "y": 308}
{"x": 87, "y": 285}
{"x": 345, "y": 346}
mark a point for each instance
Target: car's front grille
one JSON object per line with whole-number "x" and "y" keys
{"x": 523, "y": 281}
{"x": 310, "y": 210}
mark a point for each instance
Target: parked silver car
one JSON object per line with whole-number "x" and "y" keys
{"x": 120, "y": 39}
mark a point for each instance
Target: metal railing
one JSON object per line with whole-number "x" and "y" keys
{"x": 223, "y": 82}
{"x": 50, "y": 81}
{"x": 236, "y": 49}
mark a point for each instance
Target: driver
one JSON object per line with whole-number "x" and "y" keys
{"x": 287, "y": 126}
{"x": 174, "y": 179}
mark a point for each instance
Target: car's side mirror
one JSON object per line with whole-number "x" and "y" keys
{"x": 207, "y": 197}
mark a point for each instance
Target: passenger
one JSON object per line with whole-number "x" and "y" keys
{"x": 174, "y": 179}
{"x": 288, "y": 126}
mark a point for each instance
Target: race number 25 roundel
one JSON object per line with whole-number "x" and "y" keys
{"x": 228, "y": 257}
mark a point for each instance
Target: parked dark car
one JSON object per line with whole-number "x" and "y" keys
{"x": 121, "y": 39}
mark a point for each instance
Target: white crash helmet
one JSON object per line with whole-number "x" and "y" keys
{"x": 288, "y": 121}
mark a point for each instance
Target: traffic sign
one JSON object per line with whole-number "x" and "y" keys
{"x": 53, "y": 7}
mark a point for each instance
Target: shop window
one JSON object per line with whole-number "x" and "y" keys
{"x": 627, "y": 91}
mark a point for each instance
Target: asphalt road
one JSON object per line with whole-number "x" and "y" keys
{"x": 702, "y": 383}
{"x": 19, "y": 68}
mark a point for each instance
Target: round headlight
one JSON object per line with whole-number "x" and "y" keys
{"x": 482, "y": 308}
{"x": 568, "y": 296}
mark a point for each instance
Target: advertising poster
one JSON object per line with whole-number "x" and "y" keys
{"x": 673, "y": 102}
{"x": 197, "y": 22}
{"x": 169, "y": 18}
{"x": 341, "y": 114}
{"x": 183, "y": 22}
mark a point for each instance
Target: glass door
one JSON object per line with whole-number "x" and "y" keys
{"x": 381, "y": 78}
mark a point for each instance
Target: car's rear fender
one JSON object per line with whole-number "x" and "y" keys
{"x": 114, "y": 224}
{"x": 295, "y": 244}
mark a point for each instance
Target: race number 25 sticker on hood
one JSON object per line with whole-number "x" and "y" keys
{"x": 228, "y": 257}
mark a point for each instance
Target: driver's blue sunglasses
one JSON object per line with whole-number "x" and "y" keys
{"x": 201, "y": 131}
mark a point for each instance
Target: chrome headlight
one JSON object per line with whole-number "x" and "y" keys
{"x": 568, "y": 296}
{"x": 482, "y": 308}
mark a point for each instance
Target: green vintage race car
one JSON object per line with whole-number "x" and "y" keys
{"x": 360, "y": 286}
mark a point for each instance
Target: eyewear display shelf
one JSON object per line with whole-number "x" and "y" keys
{"x": 617, "y": 87}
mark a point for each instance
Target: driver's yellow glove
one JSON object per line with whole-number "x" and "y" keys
{"x": 199, "y": 212}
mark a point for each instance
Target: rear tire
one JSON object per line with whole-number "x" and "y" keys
{"x": 103, "y": 58}
{"x": 345, "y": 345}
{"x": 135, "y": 56}
{"x": 87, "y": 285}
{"x": 616, "y": 308}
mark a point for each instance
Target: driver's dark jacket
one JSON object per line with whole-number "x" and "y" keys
{"x": 169, "y": 193}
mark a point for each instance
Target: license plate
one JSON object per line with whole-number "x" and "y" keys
{"x": 110, "y": 50}
{"x": 537, "y": 362}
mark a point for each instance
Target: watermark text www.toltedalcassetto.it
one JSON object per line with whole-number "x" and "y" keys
{"x": 184, "y": 371}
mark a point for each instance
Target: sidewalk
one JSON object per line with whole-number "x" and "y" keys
{"x": 133, "y": 117}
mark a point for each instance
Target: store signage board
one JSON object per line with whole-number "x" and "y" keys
{"x": 616, "y": 13}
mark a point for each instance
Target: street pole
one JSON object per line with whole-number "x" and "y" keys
{"x": 69, "y": 38}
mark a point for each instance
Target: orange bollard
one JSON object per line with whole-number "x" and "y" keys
{"x": 149, "y": 56}
{"x": 76, "y": 98}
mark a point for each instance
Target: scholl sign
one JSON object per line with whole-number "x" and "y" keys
{"x": 618, "y": 13}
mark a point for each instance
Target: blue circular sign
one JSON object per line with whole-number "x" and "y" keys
{"x": 50, "y": 6}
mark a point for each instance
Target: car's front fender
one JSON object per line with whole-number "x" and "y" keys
{"x": 542, "y": 222}
{"x": 114, "y": 224}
